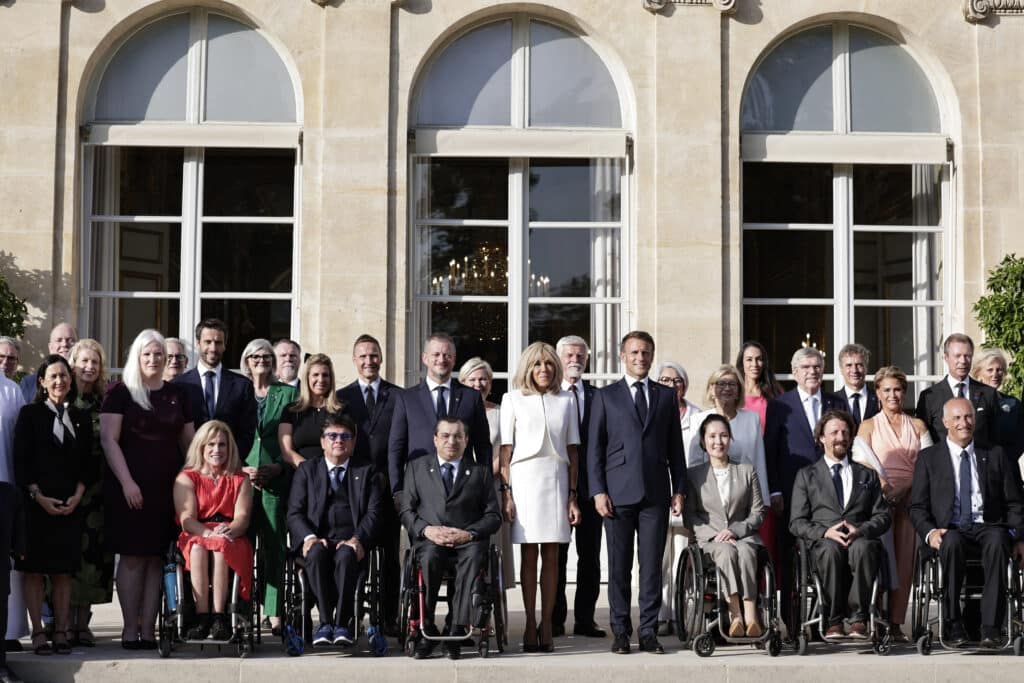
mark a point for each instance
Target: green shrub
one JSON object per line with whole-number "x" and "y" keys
{"x": 1000, "y": 314}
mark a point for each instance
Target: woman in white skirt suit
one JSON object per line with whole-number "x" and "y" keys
{"x": 539, "y": 435}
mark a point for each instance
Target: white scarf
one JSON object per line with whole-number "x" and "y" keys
{"x": 59, "y": 425}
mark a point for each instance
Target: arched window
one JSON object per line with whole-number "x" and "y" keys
{"x": 191, "y": 148}
{"x": 845, "y": 195}
{"x": 517, "y": 208}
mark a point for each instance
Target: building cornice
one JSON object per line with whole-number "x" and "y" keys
{"x": 723, "y": 6}
{"x": 979, "y": 10}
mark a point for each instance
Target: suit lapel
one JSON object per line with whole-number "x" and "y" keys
{"x": 798, "y": 405}
{"x": 652, "y": 401}
{"x": 859, "y": 483}
{"x": 382, "y": 397}
{"x": 465, "y": 470}
{"x": 426, "y": 402}
{"x": 320, "y": 491}
{"x": 434, "y": 474}
{"x": 734, "y": 489}
{"x": 355, "y": 490}
{"x": 981, "y": 456}
{"x": 825, "y": 484}
{"x": 626, "y": 395}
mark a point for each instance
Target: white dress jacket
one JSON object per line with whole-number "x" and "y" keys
{"x": 525, "y": 418}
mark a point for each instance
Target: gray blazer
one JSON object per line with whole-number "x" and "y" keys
{"x": 816, "y": 508}
{"x": 704, "y": 513}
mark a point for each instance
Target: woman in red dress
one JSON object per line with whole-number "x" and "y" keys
{"x": 212, "y": 498}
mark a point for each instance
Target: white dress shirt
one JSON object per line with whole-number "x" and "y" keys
{"x": 845, "y": 473}
{"x": 630, "y": 381}
{"x": 977, "y": 502}
{"x": 580, "y": 398}
{"x": 217, "y": 371}
{"x": 811, "y": 411}
{"x": 432, "y": 385}
{"x": 724, "y": 485}
{"x": 966, "y": 381}
{"x": 862, "y": 401}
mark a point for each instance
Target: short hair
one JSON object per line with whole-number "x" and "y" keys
{"x": 339, "y": 420}
{"x": 438, "y": 336}
{"x": 981, "y": 360}
{"x": 211, "y": 324}
{"x": 204, "y": 435}
{"x": 451, "y": 420}
{"x": 724, "y": 371}
{"x": 713, "y": 417}
{"x": 132, "y": 373}
{"x": 636, "y": 334}
{"x": 472, "y": 365}
{"x": 532, "y": 354}
{"x": 177, "y": 340}
{"x": 945, "y": 406}
{"x": 251, "y": 349}
{"x": 680, "y": 370}
{"x": 305, "y": 400}
{"x": 957, "y": 338}
{"x": 94, "y": 346}
{"x": 53, "y": 359}
{"x": 855, "y": 350}
{"x": 891, "y": 372}
{"x": 365, "y": 339}
{"x": 571, "y": 340}
{"x": 12, "y": 341}
{"x": 830, "y": 415}
{"x": 288, "y": 341}
{"x": 806, "y": 352}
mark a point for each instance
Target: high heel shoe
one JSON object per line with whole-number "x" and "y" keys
{"x": 543, "y": 646}
{"x": 530, "y": 645}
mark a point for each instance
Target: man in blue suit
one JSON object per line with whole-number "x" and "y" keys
{"x": 634, "y": 441}
{"x": 861, "y": 401}
{"x": 217, "y": 393}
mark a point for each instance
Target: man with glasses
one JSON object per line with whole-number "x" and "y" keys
{"x": 10, "y": 354}
{"x": 334, "y": 513}
{"x": 177, "y": 358}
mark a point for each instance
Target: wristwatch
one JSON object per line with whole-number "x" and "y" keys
{"x": 33, "y": 493}
{"x": 504, "y": 487}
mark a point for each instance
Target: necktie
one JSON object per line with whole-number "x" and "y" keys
{"x": 447, "y": 477}
{"x": 211, "y": 402}
{"x": 964, "y": 519}
{"x": 837, "y": 482}
{"x": 960, "y": 390}
{"x": 856, "y": 409}
{"x": 576, "y": 403}
{"x": 814, "y": 412}
{"x": 371, "y": 402}
{"x": 58, "y": 425}
{"x": 442, "y": 408}
{"x": 337, "y": 475}
{"x": 641, "y": 401}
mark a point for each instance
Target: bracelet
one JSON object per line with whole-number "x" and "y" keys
{"x": 505, "y": 487}
{"x": 572, "y": 493}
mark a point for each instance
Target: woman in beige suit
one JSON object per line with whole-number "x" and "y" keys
{"x": 724, "y": 509}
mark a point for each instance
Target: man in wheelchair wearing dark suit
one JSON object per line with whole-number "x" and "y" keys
{"x": 450, "y": 511}
{"x": 334, "y": 513}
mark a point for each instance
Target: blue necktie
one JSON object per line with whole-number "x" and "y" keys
{"x": 447, "y": 478}
{"x": 856, "y": 409}
{"x": 442, "y": 408}
{"x": 837, "y": 482}
{"x": 641, "y": 402}
{"x": 211, "y": 402}
{"x": 964, "y": 519}
{"x": 337, "y": 474}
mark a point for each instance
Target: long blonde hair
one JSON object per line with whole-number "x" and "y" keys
{"x": 305, "y": 401}
{"x": 204, "y": 435}
{"x": 537, "y": 351}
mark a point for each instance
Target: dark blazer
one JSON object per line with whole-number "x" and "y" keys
{"x": 869, "y": 401}
{"x": 471, "y": 506}
{"x": 815, "y": 507}
{"x": 308, "y": 501}
{"x": 789, "y": 444}
{"x": 1010, "y": 425}
{"x": 412, "y": 427}
{"x": 29, "y": 386}
{"x": 582, "y": 482}
{"x": 374, "y": 430}
{"x": 932, "y": 494}
{"x": 986, "y": 407}
{"x": 12, "y": 533}
{"x": 236, "y": 404}
{"x": 628, "y": 460}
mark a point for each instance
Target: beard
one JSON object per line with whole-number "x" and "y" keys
{"x": 573, "y": 371}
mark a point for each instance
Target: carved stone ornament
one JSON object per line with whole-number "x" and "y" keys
{"x": 723, "y": 6}
{"x": 979, "y": 10}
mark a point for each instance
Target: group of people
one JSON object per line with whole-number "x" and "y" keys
{"x": 211, "y": 460}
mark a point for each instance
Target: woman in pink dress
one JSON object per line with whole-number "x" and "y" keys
{"x": 759, "y": 383}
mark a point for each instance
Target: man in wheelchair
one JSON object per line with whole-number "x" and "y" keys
{"x": 334, "y": 513}
{"x": 965, "y": 498}
{"x": 839, "y": 511}
{"x": 450, "y": 511}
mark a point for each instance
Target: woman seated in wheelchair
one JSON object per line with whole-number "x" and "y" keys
{"x": 724, "y": 509}
{"x": 212, "y": 499}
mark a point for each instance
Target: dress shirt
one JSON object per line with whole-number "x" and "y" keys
{"x": 432, "y": 385}
{"x": 455, "y": 467}
{"x": 217, "y": 371}
{"x": 967, "y": 390}
{"x": 567, "y": 386}
{"x": 630, "y": 381}
{"x": 845, "y": 473}
{"x": 805, "y": 401}
{"x": 376, "y": 389}
{"x": 977, "y": 502}
{"x": 861, "y": 402}
{"x": 724, "y": 485}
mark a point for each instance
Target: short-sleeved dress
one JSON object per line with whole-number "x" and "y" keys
{"x": 306, "y": 427}
{"x": 150, "y": 442}
{"x": 215, "y": 504}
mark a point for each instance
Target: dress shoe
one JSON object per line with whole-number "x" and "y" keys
{"x": 991, "y": 639}
{"x": 649, "y": 643}
{"x": 201, "y": 630}
{"x": 13, "y": 645}
{"x": 859, "y": 630}
{"x": 425, "y": 648}
{"x": 453, "y": 650}
{"x": 591, "y": 631}
{"x": 898, "y": 636}
{"x": 220, "y": 627}
{"x": 754, "y": 630}
{"x": 8, "y": 676}
{"x": 621, "y": 644}
{"x": 955, "y": 636}
{"x": 834, "y": 632}
{"x": 736, "y": 629}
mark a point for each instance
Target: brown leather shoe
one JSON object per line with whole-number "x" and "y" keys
{"x": 754, "y": 630}
{"x": 736, "y": 628}
{"x": 834, "y": 631}
{"x": 859, "y": 630}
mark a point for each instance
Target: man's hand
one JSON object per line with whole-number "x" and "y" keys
{"x": 935, "y": 538}
{"x": 310, "y": 542}
{"x": 839, "y": 534}
{"x": 355, "y": 545}
{"x": 677, "y": 504}
{"x": 52, "y": 506}
{"x": 446, "y": 536}
{"x": 778, "y": 505}
{"x": 725, "y": 536}
{"x": 574, "y": 513}
{"x": 603, "y": 505}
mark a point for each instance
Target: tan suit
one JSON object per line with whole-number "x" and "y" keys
{"x": 706, "y": 516}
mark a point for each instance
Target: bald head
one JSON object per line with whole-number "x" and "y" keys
{"x": 62, "y": 338}
{"x": 958, "y": 419}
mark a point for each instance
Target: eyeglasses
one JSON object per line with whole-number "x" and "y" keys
{"x": 674, "y": 381}
{"x": 261, "y": 357}
{"x": 176, "y": 357}
{"x": 338, "y": 436}
{"x": 726, "y": 384}
{"x": 4, "y": 358}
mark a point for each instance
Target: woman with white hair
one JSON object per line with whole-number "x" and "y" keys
{"x": 145, "y": 425}
{"x": 990, "y": 368}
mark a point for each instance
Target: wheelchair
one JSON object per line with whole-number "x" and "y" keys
{"x": 488, "y": 599}
{"x": 299, "y": 601}
{"x": 177, "y": 610}
{"x": 701, "y": 607}
{"x": 929, "y": 588}
{"x": 808, "y": 613}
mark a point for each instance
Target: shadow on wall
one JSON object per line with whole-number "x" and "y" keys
{"x": 36, "y": 287}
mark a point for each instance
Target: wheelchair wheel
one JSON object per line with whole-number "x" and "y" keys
{"x": 924, "y": 644}
{"x": 164, "y": 628}
{"x": 499, "y": 607}
{"x": 484, "y": 649}
{"x": 407, "y": 592}
{"x": 802, "y": 601}
{"x": 689, "y": 608}
{"x": 775, "y": 645}
{"x": 882, "y": 643}
{"x": 704, "y": 645}
{"x": 801, "y": 644}
{"x": 1018, "y": 646}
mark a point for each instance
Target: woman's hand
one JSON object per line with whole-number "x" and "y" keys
{"x": 725, "y": 536}
{"x": 132, "y": 494}
{"x": 52, "y": 506}
{"x": 574, "y": 513}
{"x": 223, "y": 530}
{"x": 71, "y": 504}
{"x": 509, "y": 507}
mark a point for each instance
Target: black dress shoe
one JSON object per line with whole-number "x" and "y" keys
{"x": 557, "y": 630}
{"x": 957, "y": 636}
{"x": 424, "y": 648}
{"x": 591, "y": 631}
{"x": 454, "y": 650}
{"x": 13, "y": 645}
{"x": 621, "y": 644}
{"x": 649, "y": 643}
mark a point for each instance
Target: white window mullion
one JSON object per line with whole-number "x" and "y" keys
{"x": 188, "y": 310}
{"x": 841, "y": 78}
{"x": 842, "y": 247}
{"x": 520, "y": 72}
{"x": 196, "y": 67}
{"x": 518, "y": 257}
{"x": 296, "y": 251}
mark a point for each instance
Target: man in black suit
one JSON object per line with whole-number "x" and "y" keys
{"x": 418, "y": 408}
{"x": 62, "y": 338}
{"x": 450, "y": 511}
{"x": 634, "y": 440}
{"x": 958, "y": 352}
{"x": 334, "y": 512}
{"x": 839, "y": 510}
{"x": 370, "y": 400}
{"x": 217, "y": 393}
{"x": 12, "y": 544}
{"x": 968, "y": 497}
{"x": 861, "y": 401}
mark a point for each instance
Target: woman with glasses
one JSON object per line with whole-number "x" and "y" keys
{"x": 177, "y": 358}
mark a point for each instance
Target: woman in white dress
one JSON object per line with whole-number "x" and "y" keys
{"x": 539, "y": 435}
{"x": 11, "y": 403}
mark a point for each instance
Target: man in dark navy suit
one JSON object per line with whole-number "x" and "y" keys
{"x": 418, "y": 409}
{"x": 636, "y": 469}
{"x": 861, "y": 401}
{"x": 216, "y": 392}
{"x": 958, "y": 353}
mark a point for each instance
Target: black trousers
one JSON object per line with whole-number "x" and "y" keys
{"x": 433, "y": 560}
{"x": 3, "y": 628}
{"x": 588, "y": 569}
{"x": 333, "y": 575}
{"x": 390, "y": 563}
{"x": 993, "y": 542}
{"x": 648, "y": 525}
{"x": 846, "y": 572}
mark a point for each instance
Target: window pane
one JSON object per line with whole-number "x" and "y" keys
{"x": 469, "y": 83}
{"x": 889, "y": 265}
{"x": 569, "y": 84}
{"x": 249, "y": 182}
{"x": 888, "y": 90}
{"x": 463, "y": 189}
{"x": 463, "y": 261}
{"x": 792, "y": 87}
{"x": 787, "y": 263}
{"x": 575, "y": 190}
{"x": 245, "y": 77}
{"x": 897, "y": 195}
{"x": 136, "y": 257}
{"x": 902, "y": 336}
{"x": 137, "y": 181}
{"x": 478, "y": 329}
{"x": 785, "y": 328}
{"x": 574, "y": 262}
{"x": 247, "y": 258}
{"x": 599, "y": 324}
{"x": 787, "y": 193}
{"x": 249, "y": 319}
{"x": 116, "y": 322}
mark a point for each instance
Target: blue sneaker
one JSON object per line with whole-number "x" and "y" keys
{"x": 324, "y": 635}
{"x": 342, "y": 636}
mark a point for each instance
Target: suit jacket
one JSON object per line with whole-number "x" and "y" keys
{"x": 12, "y": 532}
{"x": 471, "y": 506}
{"x": 526, "y": 418}
{"x": 869, "y": 399}
{"x": 308, "y": 501}
{"x": 986, "y": 409}
{"x": 1010, "y": 425}
{"x": 29, "y": 386}
{"x": 266, "y": 449}
{"x": 815, "y": 507}
{"x": 412, "y": 427}
{"x": 932, "y": 493}
{"x": 374, "y": 430}
{"x": 582, "y": 482}
{"x": 706, "y": 516}
{"x": 236, "y": 404}
{"x": 627, "y": 459}
{"x": 789, "y": 443}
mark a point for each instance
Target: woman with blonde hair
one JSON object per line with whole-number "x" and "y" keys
{"x": 303, "y": 421}
{"x": 539, "y": 435}
{"x": 990, "y": 368}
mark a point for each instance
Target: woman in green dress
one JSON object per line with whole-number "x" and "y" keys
{"x": 267, "y": 473}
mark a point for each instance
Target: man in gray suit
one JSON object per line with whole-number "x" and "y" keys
{"x": 839, "y": 510}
